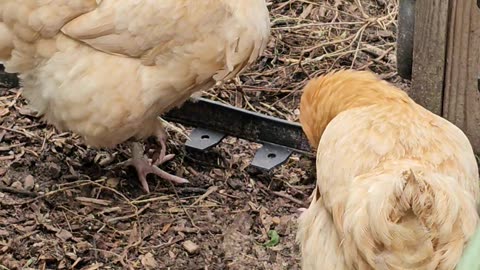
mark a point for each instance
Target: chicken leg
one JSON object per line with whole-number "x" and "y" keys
{"x": 145, "y": 167}
{"x": 161, "y": 137}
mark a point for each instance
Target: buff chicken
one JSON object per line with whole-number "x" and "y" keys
{"x": 106, "y": 69}
{"x": 397, "y": 186}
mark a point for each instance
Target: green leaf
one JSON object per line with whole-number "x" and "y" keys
{"x": 274, "y": 239}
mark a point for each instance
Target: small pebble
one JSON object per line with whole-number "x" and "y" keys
{"x": 29, "y": 182}
{"x": 276, "y": 220}
{"x": 190, "y": 247}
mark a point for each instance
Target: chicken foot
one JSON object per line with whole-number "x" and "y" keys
{"x": 161, "y": 137}
{"x": 145, "y": 167}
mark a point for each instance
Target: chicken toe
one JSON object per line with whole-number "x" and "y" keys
{"x": 144, "y": 167}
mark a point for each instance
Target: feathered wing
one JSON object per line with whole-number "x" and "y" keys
{"x": 401, "y": 192}
{"x": 106, "y": 69}
{"x": 27, "y": 28}
{"x": 319, "y": 241}
{"x": 154, "y": 30}
{"x": 134, "y": 30}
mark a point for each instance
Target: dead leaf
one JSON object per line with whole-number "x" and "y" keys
{"x": 148, "y": 261}
{"x": 83, "y": 246}
{"x": 71, "y": 255}
{"x": 166, "y": 227}
{"x": 62, "y": 265}
{"x": 64, "y": 235}
{"x": 50, "y": 227}
{"x": 306, "y": 12}
{"x": 4, "y": 233}
{"x": 3, "y": 171}
{"x": 4, "y": 112}
{"x": 190, "y": 247}
{"x": 134, "y": 235}
{"x": 18, "y": 185}
{"x": 266, "y": 219}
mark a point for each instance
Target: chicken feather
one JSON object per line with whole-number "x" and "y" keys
{"x": 397, "y": 186}
{"x": 106, "y": 69}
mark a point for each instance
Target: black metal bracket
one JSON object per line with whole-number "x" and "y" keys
{"x": 203, "y": 139}
{"x": 270, "y": 156}
{"x": 215, "y": 120}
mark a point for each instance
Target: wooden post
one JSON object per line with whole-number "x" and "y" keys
{"x": 429, "y": 46}
{"x": 461, "y": 104}
{"x": 446, "y": 62}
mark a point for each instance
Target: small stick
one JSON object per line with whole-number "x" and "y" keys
{"x": 111, "y": 220}
{"x": 286, "y": 196}
{"x": 210, "y": 190}
{"x": 18, "y": 191}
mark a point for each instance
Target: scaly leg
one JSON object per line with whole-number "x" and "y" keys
{"x": 161, "y": 137}
{"x": 144, "y": 167}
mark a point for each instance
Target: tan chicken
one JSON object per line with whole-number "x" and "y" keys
{"x": 397, "y": 186}
{"x": 106, "y": 69}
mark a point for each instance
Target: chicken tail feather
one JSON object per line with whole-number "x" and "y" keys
{"x": 409, "y": 219}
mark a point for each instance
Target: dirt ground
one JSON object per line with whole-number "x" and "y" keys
{"x": 64, "y": 205}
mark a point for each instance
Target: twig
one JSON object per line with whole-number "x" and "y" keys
{"x": 18, "y": 191}
{"x": 288, "y": 197}
{"x": 77, "y": 184}
{"x": 115, "y": 219}
{"x": 86, "y": 200}
{"x": 24, "y": 133}
{"x": 210, "y": 190}
{"x": 183, "y": 207}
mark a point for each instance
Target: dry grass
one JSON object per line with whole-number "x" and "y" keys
{"x": 63, "y": 207}
{"x": 310, "y": 38}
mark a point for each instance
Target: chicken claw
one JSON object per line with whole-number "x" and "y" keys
{"x": 144, "y": 167}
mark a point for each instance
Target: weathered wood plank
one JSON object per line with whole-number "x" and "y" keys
{"x": 461, "y": 97}
{"x": 429, "y": 49}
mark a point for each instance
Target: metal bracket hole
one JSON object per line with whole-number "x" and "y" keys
{"x": 203, "y": 139}
{"x": 270, "y": 156}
